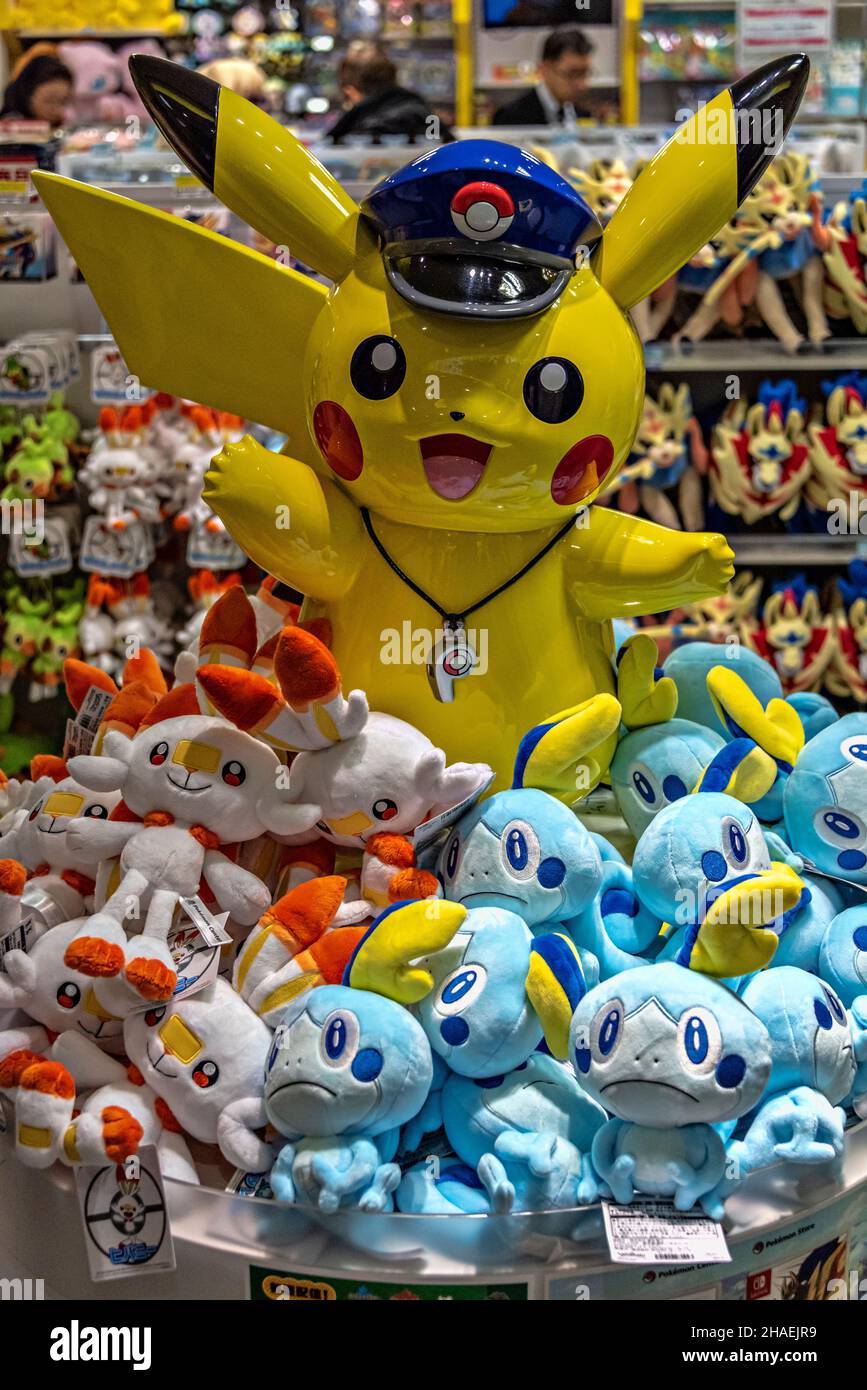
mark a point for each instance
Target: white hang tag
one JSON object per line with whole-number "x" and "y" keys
{"x": 25, "y": 373}
{"x": 213, "y": 550}
{"x": 654, "y": 1232}
{"x": 126, "y": 1224}
{"x": 116, "y": 553}
{"x": 212, "y": 929}
{"x": 82, "y": 730}
{"x": 41, "y": 544}
{"x": 250, "y": 1185}
{"x": 18, "y": 939}
{"x": 111, "y": 382}
{"x": 196, "y": 961}
{"x": 429, "y": 829}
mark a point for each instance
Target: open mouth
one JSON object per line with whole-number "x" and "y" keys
{"x": 454, "y": 463}
{"x": 185, "y": 786}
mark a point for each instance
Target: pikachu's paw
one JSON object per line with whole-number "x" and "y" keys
{"x": 716, "y": 563}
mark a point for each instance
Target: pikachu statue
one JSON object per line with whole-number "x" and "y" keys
{"x": 454, "y": 401}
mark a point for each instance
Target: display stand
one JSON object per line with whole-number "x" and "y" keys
{"x": 785, "y": 1227}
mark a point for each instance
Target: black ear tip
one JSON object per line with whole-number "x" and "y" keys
{"x": 781, "y": 82}
{"x": 767, "y": 100}
{"x": 184, "y": 105}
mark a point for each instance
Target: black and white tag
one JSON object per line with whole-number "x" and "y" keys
{"x": 126, "y": 1225}
{"x": 654, "y": 1232}
{"x": 212, "y": 929}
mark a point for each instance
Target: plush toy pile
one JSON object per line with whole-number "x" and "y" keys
{"x": 410, "y": 967}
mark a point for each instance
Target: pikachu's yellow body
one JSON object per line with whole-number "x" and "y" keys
{"x": 440, "y": 464}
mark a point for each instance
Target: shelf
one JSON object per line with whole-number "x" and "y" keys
{"x": 799, "y": 551}
{"x": 755, "y": 355}
{"x": 97, "y": 34}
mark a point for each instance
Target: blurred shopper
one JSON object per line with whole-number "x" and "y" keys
{"x": 560, "y": 95}
{"x": 40, "y": 90}
{"x": 375, "y": 105}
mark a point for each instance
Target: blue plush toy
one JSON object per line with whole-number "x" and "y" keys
{"x": 522, "y": 1142}
{"x": 813, "y": 1068}
{"x": 689, "y": 667}
{"x": 825, "y": 800}
{"x": 524, "y": 851}
{"x": 843, "y": 954}
{"x": 703, "y": 866}
{"x": 613, "y": 931}
{"x": 669, "y": 1053}
{"x": 346, "y": 1069}
{"x": 655, "y": 766}
{"x": 814, "y": 711}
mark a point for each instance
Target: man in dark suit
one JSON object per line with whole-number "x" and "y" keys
{"x": 561, "y": 92}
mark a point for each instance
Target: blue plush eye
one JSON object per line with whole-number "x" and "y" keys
{"x": 841, "y": 825}
{"x": 272, "y": 1055}
{"x": 737, "y": 843}
{"x": 335, "y": 1038}
{"x": 459, "y": 986}
{"x": 696, "y": 1040}
{"x": 609, "y": 1032}
{"x": 859, "y": 938}
{"x": 520, "y": 851}
{"x": 452, "y": 855}
{"x": 858, "y": 750}
{"x": 699, "y": 1039}
{"x": 338, "y": 1043}
{"x": 643, "y": 787}
{"x": 823, "y": 1014}
{"x": 834, "y": 1004}
{"x": 516, "y": 850}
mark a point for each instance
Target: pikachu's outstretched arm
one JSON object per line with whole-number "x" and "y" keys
{"x": 294, "y": 524}
{"x": 618, "y": 566}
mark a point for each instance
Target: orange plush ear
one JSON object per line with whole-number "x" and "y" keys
{"x": 302, "y": 916}
{"x": 129, "y": 708}
{"x": 305, "y": 669}
{"x": 263, "y": 661}
{"x": 146, "y": 669}
{"x": 13, "y": 877}
{"x": 331, "y": 954}
{"x": 229, "y": 629}
{"x": 78, "y": 677}
{"x": 48, "y": 765}
{"x": 180, "y": 700}
{"x": 247, "y": 700}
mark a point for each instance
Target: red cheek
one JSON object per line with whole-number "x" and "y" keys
{"x": 580, "y": 472}
{"x": 338, "y": 440}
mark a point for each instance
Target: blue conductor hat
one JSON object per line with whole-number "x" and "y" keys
{"x": 478, "y": 227}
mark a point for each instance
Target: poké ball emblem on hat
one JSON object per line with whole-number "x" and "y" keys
{"x": 483, "y": 211}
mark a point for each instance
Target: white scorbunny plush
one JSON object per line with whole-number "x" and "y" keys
{"x": 369, "y": 772}
{"x": 190, "y": 784}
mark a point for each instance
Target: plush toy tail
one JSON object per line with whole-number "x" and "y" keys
{"x": 557, "y": 755}
{"x": 741, "y": 928}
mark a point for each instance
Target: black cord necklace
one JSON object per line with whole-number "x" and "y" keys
{"x": 453, "y": 656}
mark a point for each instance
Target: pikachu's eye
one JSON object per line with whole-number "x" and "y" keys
{"x": 553, "y": 390}
{"x": 378, "y": 368}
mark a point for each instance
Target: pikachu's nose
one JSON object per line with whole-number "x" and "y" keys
{"x": 456, "y": 414}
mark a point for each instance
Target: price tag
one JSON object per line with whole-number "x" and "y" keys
{"x": 117, "y": 553}
{"x": 81, "y": 731}
{"x": 126, "y": 1224}
{"x": 656, "y": 1233}
{"x": 212, "y": 929}
{"x": 17, "y": 939}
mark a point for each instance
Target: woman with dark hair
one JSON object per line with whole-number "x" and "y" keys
{"x": 39, "y": 91}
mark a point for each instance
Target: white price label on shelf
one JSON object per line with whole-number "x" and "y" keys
{"x": 652, "y": 1232}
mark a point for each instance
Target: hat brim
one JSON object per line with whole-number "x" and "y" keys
{"x": 472, "y": 284}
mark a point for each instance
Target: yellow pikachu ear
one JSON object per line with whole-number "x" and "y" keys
{"x": 253, "y": 165}
{"x": 696, "y": 182}
{"x": 193, "y": 313}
